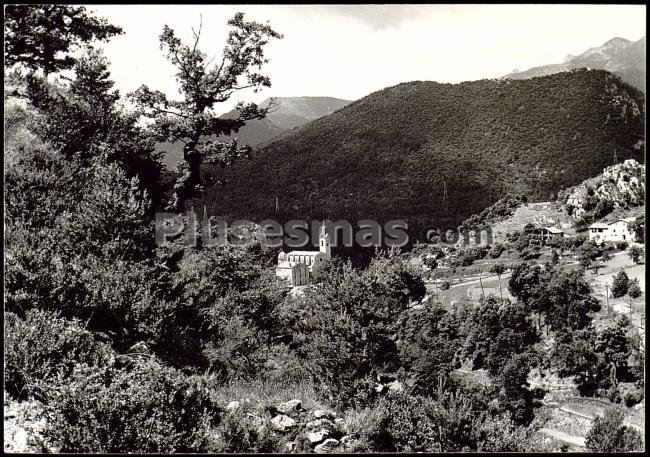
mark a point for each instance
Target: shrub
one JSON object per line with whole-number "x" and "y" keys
{"x": 43, "y": 349}
{"x": 636, "y": 253}
{"x": 496, "y": 251}
{"x": 621, "y": 245}
{"x": 346, "y": 329}
{"x": 445, "y": 285}
{"x": 608, "y": 434}
{"x": 620, "y": 284}
{"x": 446, "y": 423}
{"x": 634, "y": 290}
{"x": 239, "y": 432}
{"x": 142, "y": 408}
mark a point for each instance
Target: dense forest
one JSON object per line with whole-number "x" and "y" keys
{"x": 391, "y": 154}
{"x": 121, "y": 344}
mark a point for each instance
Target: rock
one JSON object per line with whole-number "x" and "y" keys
{"x": 290, "y": 406}
{"x": 324, "y": 413}
{"x": 326, "y": 446}
{"x": 340, "y": 423}
{"x": 395, "y": 386}
{"x": 282, "y": 423}
{"x": 385, "y": 378}
{"x": 379, "y": 388}
{"x": 320, "y": 423}
{"x": 317, "y": 437}
{"x": 232, "y": 406}
{"x": 290, "y": 446}
{"x": 139, "y": 348}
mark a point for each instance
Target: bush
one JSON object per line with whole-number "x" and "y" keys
{"x": 496, "y": 251}
{"x": 345, "y": 330}
{"x": 239, "y": 432}
{"x": 621, "y": 245}
{"x": 636, "y": 253}
{"x": 43, "y": 349}
{"x": 143, "y": 408}
{"x": 446, "y": 423}
{"x": 634, "y": 290}
{"x": 608, "y": 434}
{"x": 620, "y": 284}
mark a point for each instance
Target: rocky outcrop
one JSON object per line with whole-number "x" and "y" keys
{"x": 320, "y": 430}
{"x": 619, "y": 186}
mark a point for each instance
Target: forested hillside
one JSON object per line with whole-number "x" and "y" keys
{"x": 286, "y": 114}
{"x": 391, "y": 154}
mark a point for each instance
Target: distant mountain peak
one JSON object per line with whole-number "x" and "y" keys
{"x": 621, "y": 56}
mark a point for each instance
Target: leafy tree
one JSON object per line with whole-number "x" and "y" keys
{"x": 496, "y": 330}
{"x": 429, "y": 339}
{"x": 620, "y": 284}
{"x": 614, "y": 347}
{"x": 634, "y": 289}
{"x": 565, "y": 299}
{"x": 498, "y": 269}
{"x": 42, "y": 36}
{"x": 516, "y": 392}
{"x": 608, "y": 434}
{"x": 203, "y": 85}
{"x": 573, "y": 355}
{"x": 636, "y": 253}
{"x": 638, "y": 227}
{"x": 596, "y": 358}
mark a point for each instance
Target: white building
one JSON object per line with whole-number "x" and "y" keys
{"x": 618, "y": 230}
{"x": 298, "y": 267}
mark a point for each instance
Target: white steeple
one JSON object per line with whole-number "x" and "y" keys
{"x": 324, "y": 245}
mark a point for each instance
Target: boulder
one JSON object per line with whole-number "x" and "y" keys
{"x": 317, "y": 437}
{"x": 327, "y": 446}
{"x": 395, "y": 386}
{"x": 139, "y": 348}
{"x": 282, "y": 423}
{"x": 290, "y": 406}
{"x": 232, "y": 406}
{"x": 385, "y": 378}
{"x": 340, "y": 423}
{"x": 320, "y": 423}
{"x": 324, "y": 413}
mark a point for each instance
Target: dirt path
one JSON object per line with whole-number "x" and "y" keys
{"x": 564, "y": 437}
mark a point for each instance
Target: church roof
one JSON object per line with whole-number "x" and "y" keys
{"x": 311, "y": 253}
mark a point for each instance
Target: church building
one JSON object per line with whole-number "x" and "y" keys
{"x": 299, "y": 267}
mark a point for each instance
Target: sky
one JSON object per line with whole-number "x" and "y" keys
{"x": 350, "y": 51}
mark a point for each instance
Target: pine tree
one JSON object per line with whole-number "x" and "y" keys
{"x": 42, "y": 36}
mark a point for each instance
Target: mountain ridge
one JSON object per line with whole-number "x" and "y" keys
{"x": 620, "y": 56}
{"x": 290, "y": 112}
{"x": 433, "y": 154}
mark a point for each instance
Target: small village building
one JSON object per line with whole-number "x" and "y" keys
{"x": 545, "y": 234}
{"x": 298, "y": 268}
{"x": 618, "y": 230}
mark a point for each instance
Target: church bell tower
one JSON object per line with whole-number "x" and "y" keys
{"x": 324, "y": 246}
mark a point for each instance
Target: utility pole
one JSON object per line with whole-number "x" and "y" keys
{"x": 607, "y": 295}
